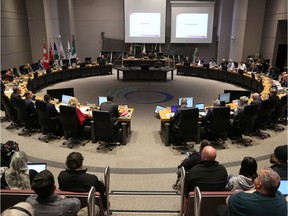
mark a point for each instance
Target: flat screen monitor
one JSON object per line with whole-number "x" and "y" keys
{"x": 236, "y": 94}
{"x": 200, "y": 106}
{"x": 57, "y": 93}
{"x": 283, "y": 188}
{"x": 174, "y": 108}
{"x": 225, "y": 97}
{"x": 37, "y": 166}
{"x": 159, "y": 108}
{"x": 190, "y": 101}
{"x": 102, "y": 99}
{"x": 65, "y": 98}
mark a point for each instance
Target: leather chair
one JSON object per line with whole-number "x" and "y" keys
{"x": 247, "y": 123}
{"x": 47, "y": 124}
{"x": 280, "y": 114}
{"x": 28, "y": 119}
{"x": 103, "y": 128}
{"x": 10, "y": 112}
{"x": 70, "y": 124}
{"x": 218, "y": 125}
{"x": 189, "y": 127}
{"x": 21, "y": 69}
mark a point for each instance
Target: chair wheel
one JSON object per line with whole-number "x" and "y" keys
{"x": 47, "y": 141}
{"x": 98, "y": 148}
{"x": 110, "y": 149}
{"x": 63, "y": 143}
{"x": 39, "y": 138}
{"x": 268, "y": 135}
{"x": 223, "y": 147}
{"x": 70, "y": 147}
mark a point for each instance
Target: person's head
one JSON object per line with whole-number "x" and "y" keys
{"x": 267, "y": 181}
{"x": 252, "y": 65}
{"x": 110, "y": 98}
{"x": 47, "y": 98}
{"x": 255, "y": 96}
{"x": 248, "y": 167}
{"x": 27, "y": 65}
{"x": 74, "y": 161}
{"x": 280, "y": 153}
{"x": 223, "y": 60}
{"x": 243, "y": 100}
{"x": 216, "y": 103}
{"x": 270, "y": 68}
{"x": 230, "y": 60}
{"x": 19, "y": 161}
{"x": 203, "y": 144}
{"x": 183, "y": 102}
{"x": 208, "y": 154}
{"x": 16, "y": 89}
{"x": 73, "y": 101}
{"x": 44, "y": 184}
{"x": 20, "y": 209}
{"x": 28, "y": 95}
{"x": 273, "y": 91}
{"x": 40, "y": 61}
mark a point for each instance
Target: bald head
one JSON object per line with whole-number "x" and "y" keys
{"x": 208, "y": 154}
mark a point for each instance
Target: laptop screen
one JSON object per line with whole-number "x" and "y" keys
{"x": 37, "y": 166}
{"x": 283, "y": 188}
{"x": 200, "y": 106}
{"x": 65, "y": 98}
{"x": 190, "y": 101}
{"x": 174, "y": 108}
{"x": 102, "y": 99}
{"x": 159, "y": 108}
{"x": 225, "y": 97}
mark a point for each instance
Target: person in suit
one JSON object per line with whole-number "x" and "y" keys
{"x": 16, "y": 95}
{"x": 8, "y": 76}
{"x": 111, "y": 107}
{"x": 27, "y": 69}
{"x": 41, "y": 65}
{"x": 187, "y": 61}
{"x": 223, "y": 65}
{"x": 216, "y": 103}
{"x": 256, "y": 99}
{"x": 279, "y": 161}
{"x": 29, "y": 105}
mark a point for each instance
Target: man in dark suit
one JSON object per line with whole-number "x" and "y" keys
{"x": 29, "y": 105}
{"x": 111, "y": 107}
{"x": 51, "y": 109}
{"x": 16, "y": 95}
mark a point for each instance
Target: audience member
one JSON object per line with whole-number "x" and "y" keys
{"x": 47, "y": 202}
{"x": 208, "y": 175}
{"x": 111, "y": 107}
{"x": 265, "y": 200}
{"x": 20, "y": 209}
{"x": 75, "y": 178}
{"x": 18, "y": 176}
{"x": 190, "y": 161}
{"x": 231, "y": 65}
{"x": 279, "y": 161}
{"x": 82, "y": 117}
{"x": 247, "y": 174}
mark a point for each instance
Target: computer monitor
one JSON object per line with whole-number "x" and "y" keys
{"x": 37, "y": 166}
{"x": 283, "y": 188}
{"x": 158, "y": 107}
{"x": 190, "y": 101}
{"x": 65, "y": 98}
{"x": 102, "y": 99}
{"x": 225, "y": 97}
{"x": 200, "y": 106}
{"x": 174, "y": 108}
{"x": 57, "y": 93}
{"x": 236, "y": 94}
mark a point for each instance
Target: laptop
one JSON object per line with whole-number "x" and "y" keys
{"x": 200, "y": 106}
{"x": 65, "y": 98}
{"x": 283, "y": 188}
{"x": 37, "y": 166}
{"x": 102, "y": 99}
{"x": 157, "y": 108}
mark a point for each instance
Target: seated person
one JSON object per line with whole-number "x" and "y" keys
{"x": 78, "y": 62}
{"x": 75, "y": 178}
{"x": 273, "y": 95}
{"x": 256, "y": 99}
{"x": 47, "y": 202}
{"x": 101, "y": 60}
{"x": 29, "y": 105}
{"x": 190, "y": 161}
{"x": 20, "y": 209}
{"x": 187, "y": 61}
{"x": 284, "y": 80}
{"x": 27, "y": 69}
{"x": 56, "y": 65}
{"x": 247, "y": 174}
{"x": 230, "y": 65}
{"x": 18, "y": 176}
{"x": 279, "y": 161}
{"x": 253, "y": 68}
{"x": 16, "y": 95}
{"x": 158, "y": 64}
{"x": 272, "y": 73}
{"x": 208, "y": 175}
{"x": 41, "y": 65}
{"x": 82, "y": 117}
{"x": 111, "y": 107}
{"x": 8, "y": 76}
{"x": 241, "y": 68}
{"x": 223, "y": 65}
{"x": 212, "y": 63}
{"x": 209, "y": 112}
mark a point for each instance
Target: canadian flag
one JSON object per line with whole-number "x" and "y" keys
{"x": 45, "y": 56}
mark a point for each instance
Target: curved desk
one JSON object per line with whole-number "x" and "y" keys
{"x": 216, "y": 74}
{"x": 62, "y": 75}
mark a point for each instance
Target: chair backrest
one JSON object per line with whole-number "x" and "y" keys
{"x": 9, "y": 109}
{"x": 12, "y": 197}
{"x": 248, "y": 119}
{"x": 188, "y": 122}
{"x": 22, "y": 113}
{"x": 43, "y": 116}
{"x": 69, "y": 119}
{"x": 266, "y": 110}
{"x": 88, "y": 60}
{"x": 104, "y": 127}
{"x": 219, "y": 123}
{"x": 21, "y": 69}
{"x": 282, "y": 109}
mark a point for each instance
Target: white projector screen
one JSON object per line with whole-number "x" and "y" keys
{"x": 191, "y": 22}
{"x": 145, "y": 21}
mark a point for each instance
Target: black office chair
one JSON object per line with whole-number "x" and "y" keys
{"x": 218, "y": 125}
{"x": 71, "y": 125}
{"x": 28, "y": 119}
{"x": 247, "y": 123}
{"x": 21, "y": 69}
{"x": 47, "y": 124}
{"x": 280, "y": 115}
{"x": 104, "y": 128}
{"x": 189, "y": 127}
{"x": 264, "y": 117}
{"x": 88, "y": 60}
{"x": 10, "y": 112}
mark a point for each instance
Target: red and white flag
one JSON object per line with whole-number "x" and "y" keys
{"x": 51, "y": 55}
{"x": 45, "y": 56}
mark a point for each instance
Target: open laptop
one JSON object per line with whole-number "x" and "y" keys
{"x": 37, "y": 166}
{"x": 283, "y": 188}
{"x": 201, "y": 107}
{"x": 65, "y": 99}
{"x": 157, "y": 108}
{"x": 102, "y": 99}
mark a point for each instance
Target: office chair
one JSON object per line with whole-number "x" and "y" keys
{"x": 280, "y": 115}
{"x": 104, "y": 128}
{"x": 21, "y": 69}
{"x": 247, "y": 123}
{"x": 218, "y": 125}
{"x": 10, "y": 112}
{"x": 47, "y": 124}
{"x": 264, "y": 117}
{"x": 28, "y": 119}
{"x": 88, "y": 60}
{"x": 70, "y": 124}
{"x": 189, "y": 127}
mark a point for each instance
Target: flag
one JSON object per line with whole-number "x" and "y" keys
{"x": 56, "y": 54}
{"x": 51, "y": 56}
{"x": 62, "y": 53}
{"x": 68, "y": 50}
{"x": 73, "y": 50}
{"x": 45, "y": 56}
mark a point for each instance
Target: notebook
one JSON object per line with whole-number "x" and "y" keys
{"x": 37, "y": 166}
{"x": 65, "y": 98}
{"x": 158, "y": 107}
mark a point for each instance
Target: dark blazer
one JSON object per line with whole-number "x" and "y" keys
{"x": 29, "y": 105}
{"x": 14, "y": 97}
{"x": 51, "y": 109}
{"x": 112, "y": 108}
